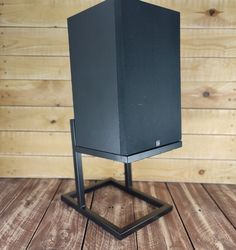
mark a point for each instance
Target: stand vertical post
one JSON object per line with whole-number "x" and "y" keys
{"x": 79, "y": 179}
{"x": 128, "y": 175}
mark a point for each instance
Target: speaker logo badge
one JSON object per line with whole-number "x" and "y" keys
{"x": 158, "y": 143}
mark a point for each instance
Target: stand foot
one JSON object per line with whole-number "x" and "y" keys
{"x": 161, "y": 209}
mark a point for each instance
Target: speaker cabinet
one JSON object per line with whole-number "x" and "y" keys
{"x": 125, "y": 66}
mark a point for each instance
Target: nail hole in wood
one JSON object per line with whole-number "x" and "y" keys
{"x": 201, "y": 172}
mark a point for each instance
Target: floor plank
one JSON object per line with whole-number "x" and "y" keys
{"x": 10, "y": 189}
{"x": 225, "y": 197}
{"x": 23, "y": 215}
{"x": 205, "y": 223}
{"x": 62, "y": 227}
{"x": 117, "y": 207}
{"x": 166, "y": 233}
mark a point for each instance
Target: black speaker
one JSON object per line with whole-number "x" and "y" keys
{"x": 125, "y": 65}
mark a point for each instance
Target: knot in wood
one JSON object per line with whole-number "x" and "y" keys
{"x": 213, "y": 12}
{"x": 206, "y": 94}
{"x": 53, "y": 121}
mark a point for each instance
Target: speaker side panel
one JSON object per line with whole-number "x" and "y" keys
{"x": 94, "y": 77}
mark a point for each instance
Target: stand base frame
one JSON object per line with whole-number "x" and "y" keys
{"x": 161, "y": 208}
{"x": 76, "y": 199}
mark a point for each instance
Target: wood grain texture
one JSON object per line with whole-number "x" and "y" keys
{"x": 194, "y": 121}
{"x": 207, "y": 94}
{"x": 54, "y": 42}
{"x": 51, "y": 93}
{"x": 203, "y": 14}
{"x": 208, "y": 42}
{"x": 219, "y": 147}
{"x": 205, "y": 223}
{"x": 38, "y": 67}
{"x": 49, "y": 13}
{"x": 62, "y": 227}
{"x": 57, "y": 68}
{"x": 10, "y": 189}
{"x": 225, "y": 197}
{"x": 117, "y": 207}
{"x": 183, "y": 170}
{"x": 35, "y": 119}
{"x": 31, "y": 41}
{"x": 41, "y": 13}
{"x": 22, "y": 217}
{"x": 35, "y": 93}
{"x": 166, "y": 233}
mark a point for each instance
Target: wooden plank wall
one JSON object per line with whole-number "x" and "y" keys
{"x": 35, "y": 94}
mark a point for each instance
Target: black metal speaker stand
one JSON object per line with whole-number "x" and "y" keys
{"x": 76, "y": 199}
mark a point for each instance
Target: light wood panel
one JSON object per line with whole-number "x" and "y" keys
{"x": 208, "y": 94}
{"x": 182, "y": 170}
{"x": 36, "y": 118}
{"x": 208, "y": 42}
{"x": 57, "y": 68}
{"x": 58, "y": 143}
{"x": 35, "y": 93}
{"x": 194, "y": 121}
{"x": 31, "y": 41}
{"x": 43, "y": 68}
{"x": 35, "y": 75}
{"x": 51, "y": 13}
{"x": 54, "y": 42}
{"x": 204, "y": 94}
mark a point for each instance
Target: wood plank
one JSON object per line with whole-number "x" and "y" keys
{"x": 199, "y": 14}
{"x": 205, "y": 223}
{"x": 170, "y": 230}
{"x": 225, "y": 197}
{"x": 182, "y": 170}
{"x": 208, "y": 94}
{"x": 35, "y": 93}
{"x": 208, "y": 42}
{"x": 36, "y": 118}
{"x": 49, "y": 13}
{"x": 208, "y": 69}
{"x": 22, "y": 217}
{"x": 194, "y": 121}
{"x": 54, "y": 42}
{"x": 35, "y": 68}
{"x": 199, "y": 121}
{"x": 117, "y": 207}
{"x": 31, "y": 41}
{"x": 57, "y": 68}
{"x": 62, "y": 227}
{"x": 41, "y": 13}
{"x": 10, "y": 189}
{"x": 219, "y": 147}
{"x": 58, "y": 93}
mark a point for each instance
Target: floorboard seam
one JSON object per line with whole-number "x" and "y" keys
{"x": 212, "y": 198}
{"x": 86, "y": 226}
{"x": 179, "y": 215}
{"x": 44, "y": 215}
{"x": 136, "y": 233}
{"x": 9, "y": 204}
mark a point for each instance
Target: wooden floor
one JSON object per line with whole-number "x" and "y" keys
{"x": 32, "y": 216}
